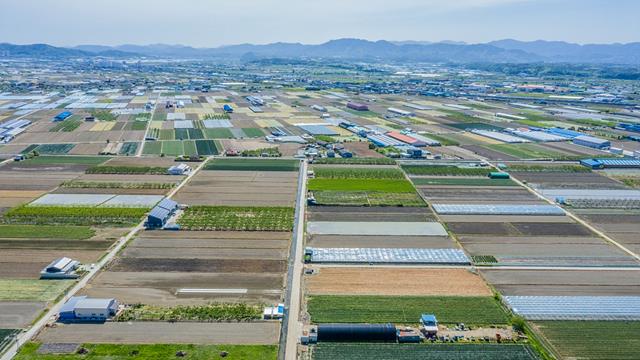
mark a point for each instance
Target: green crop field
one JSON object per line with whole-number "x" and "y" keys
{"x": 54, "y": 149}
{"x": 355, "y": 351}
{"x": 218, "y": 133}
{"x": 139, "y": 125}
{"x": 475, "y": 126}
{"x": 443, "y": 139}
{"x": 152, "y": 148}
{"x": 438, "y": 170}
{"x": 127, "y": 170}
{"x": 355, "y": 161}
{"x": 156, "y": 352}
{"x": 32, "y": 290}
{"x": 471, "y": 310}
{"x": 129, "y": 149}
{"x": 167, "y": 134}
{"x": 527, "y": 151}
{"x": 253, "y": 132}
{"x": 368, "y": 185}
{"x": 74, "y": 215}
{"x": 5, "y": 337}
{"x": 78, "y": 184}
{"x": 66, "y": 126}
{"x": 45, "y": 232}
{"x": 103, "y": 115}
{"x": 182, "y": 134}
{"x": 75, "y": 160}
{"x": 211, "y": 312}
{"x": 456, "y": 181}
{"x": 189, "y": 147}
{"x": 549, "y": 168}
{"x": 593, "y": 340}
{"x": 173, "y": 147}
{"x": 253, "y": 164}
{"x": 195, "y": 134}
{"x": 237, "y": 218}
{"x": 363, "y": 198}
{"x": 207, "y": 147}
{"x": 357, "y": 173}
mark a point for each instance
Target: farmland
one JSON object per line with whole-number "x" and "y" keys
{"x": 217, "y": 312}
{"x": 358, "y": 173}
{"x": 42, "y": 232}
{"x": 349, "y": 351}
{"x": 75, "y": 215}
{"x": 373, "y": 185}
{"x": 237, "y": 218}
{"x": 445, "y": 170}
{"x": 155, "y": 352}
{"x": 79, "y": 160}
{"x": 593, "y": 340}
{"x": 32, "y": 290}
{"x": 76, "y": 184}
{"x": 405, "y": 309}
{"x": 253, "y": 164}
{"x": 528, "y": 151}
{"x": 355, "y": 161}
{"x": 455, "y": 181}
{"x": 127, "y": 170}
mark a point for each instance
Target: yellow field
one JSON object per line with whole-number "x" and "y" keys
{"x": 103, "y": 126}
{"x": 267, "y": 123}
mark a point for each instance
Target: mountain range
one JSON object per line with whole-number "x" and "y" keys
{"x": 502, "y": 51}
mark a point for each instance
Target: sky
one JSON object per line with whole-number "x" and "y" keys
{"x": 211, "y": 23}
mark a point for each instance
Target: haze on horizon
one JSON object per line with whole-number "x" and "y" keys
{"x": 211, "y": 23}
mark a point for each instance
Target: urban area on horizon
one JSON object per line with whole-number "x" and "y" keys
{"x": 350, "y": 199}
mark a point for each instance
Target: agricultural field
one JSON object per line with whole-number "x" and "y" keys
{"x": 363, "y": 198}
{"x": 155, "y": 352}
{"x": 351, "y": 351}
{"x": 221, "y": 218}
{"x": 207, "y": 313}
{"x": 74, "y": 160}
{"x": 592, "y": 340}
{"x": 253, "y": 165}
{"x": 75, "y": 215}
{"x": 344, "y": 173}
{"x": 127, "y": 170}
{"x": 78, "y": 184}
{"x": 32, "y": 290}
{"x": 46, "y": 232}
{"x": 446, "y": 170}
{"x": 471, "y": 310}
{"x": 529, "y": 151}
{"x": 355, "y": 161}
{"x": 466, "y": 181}
{"x": 367, "y": 185}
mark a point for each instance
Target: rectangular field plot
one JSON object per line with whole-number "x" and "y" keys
{"x": 376, "y": 228}
{"x": 207, "y": 147}
{"x": 152, "y": 148}
{"x": 237, "y": 218}
{"x": 575, "y": 307}
{"x": 497, "y": 209}
{"x": 54, "y": 149}
{"x": 377, "y": 281}
{"x": 103, "y": 200}
{"x": 350, "y": 351}
{"x": 253, "y": 164}
{"x": 388, "y": 255}
{"x": 456, "y": 181}
{"x": 372, "y": 213}
{"x": 364, "y": 198}
{"x": 471, "y": 310}
{"x": 32, "y": 290}
{"x": 592, "y": 340}
{"x": 18, "y": 314}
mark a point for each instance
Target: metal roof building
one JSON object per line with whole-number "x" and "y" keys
{"x": 500, "y": 136}
{"x": 623, "y": 163}
{"x": 161, "y": 213}
{"x": 62, "y": 268}
{"x": 406, "y": 139}
{"x": 575, "y": 307}
{"x": 318, "y": 130}
{"x": 82, "y": 308}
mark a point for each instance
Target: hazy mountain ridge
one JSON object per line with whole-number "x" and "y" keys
{"x": 502, "y": 51}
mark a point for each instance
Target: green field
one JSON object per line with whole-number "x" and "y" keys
{"x": 253, "y": 165}
{"x": 357, "y": 173}
{"x": 173, "y": 148}
{"x": 253, "y": 132}
{"x": 367, "y": 185}
{"x": 32, "y": 290}
{"x": 438, "y": 170}
{"x": 207, "y": 147}
{"x": 54, "y": 149}
{"x": 218, "y": 133}
{"x": 406, "y": 309}
{"x": 211, "y": 312}
{"x": 195, "y": 134}
{"x": 139, "y": 125}
{"x": 75, "y": 160}
{"x": 527, "y": 151}
{"x": 181, "y": 134}
{"x": 593, "y": 340}
{"x": 127, "y": 170}
{"x": 129, "y": 149}
{"x": 66, "y": 126}
{"x": 355, "y": 161}
{"x": 189, "y": 148}
{"x": 74, "y": 215}
{"x": 152, "y": 148}
{"x": 456, "y": 181}
{"x": 363, "y": 198}
{"x": 354, "y": 351}
{"x": 549, "y": 168}
{"x": 157, "y": 352}
{"x": 475, "y": 126}
{"x": 45, "y": 232}
{"x": 103, "y": 115}
{"x": 228, "y": 218}
{"x": 444, "y": 140}
{"x": 167, "y": 134}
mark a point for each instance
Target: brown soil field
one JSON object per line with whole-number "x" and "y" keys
{"x": 131, "y": 178}
{"x": 361, "y": 149}
{"x": 572, "y": 180}
{"x": 55, "y": 244}
{"x": 516, "y": 229}
{"x": 488, "y": 153}
{"x": 26, "y": 264}
{"x": 205, "y": 253}
{"x": 237, "y": 188}
{"x": 333, "y": 241}
{"x": 506, "y": 218}
{"x": 160, "y": 288}
{"x": 486, "y": 195}
{"x": 197, "y": 265}
{"x": 87, "y": 149}
{"x": 564, "y": 282}
{"x": 16, "y": 315}
{"x": 33, "y": 180}
{"x": 406, "y": 281}
{"x": 11, "y": 198}
{"x": 383, "y": 214}
{"x": 255, "y": 333}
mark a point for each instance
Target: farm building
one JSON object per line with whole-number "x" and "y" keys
{"x": 82, "y": 308}
{"x": 319, "y": 108}
{"x": 400, "y": 112}
{"x": 62, "y": 268}
{"x": 161, "y": 213}
{"x": 181, "y": 169}
{"x": 255, "y": 101}
{"x": 273, "y": 312}
{"x": 227, "y": 108}
{"x": 500, "y": 136}
{"x": 611, "y": 163}
{"x": 62, "y": 116}
{"x": 592, "y": 142}
{"x": 357, "y": 106}
{"x": 406, "y": 139}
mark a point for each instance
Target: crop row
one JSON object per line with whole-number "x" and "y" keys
{"x": 76, "y": 215}
{"x": 76, "y": 184}
{"x": 237, "y": 218}
{"x": 357, "y": 173}
{"x": 212, "y": 312}
{"x": 127, "y": 170}
{"x": 356, "y": 161}
{"x": 364, "y": 198}
{"x": 369, "y": 185}
{"x": 351, "y": 351}
{"x": 251, "y": 164}
{"x": 446, "y": 170}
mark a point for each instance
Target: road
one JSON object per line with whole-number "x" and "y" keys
{"x": 24, "y": 337}
{"x": 146, "y": 131}
{"x": 291, "y": 324}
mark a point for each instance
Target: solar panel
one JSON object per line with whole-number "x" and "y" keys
{"x": 385, "y": 255}
{"x": 497, "y": 209}
{"x": 575, "y": 307}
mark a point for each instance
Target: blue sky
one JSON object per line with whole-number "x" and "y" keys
{"x": 207, "y": 23}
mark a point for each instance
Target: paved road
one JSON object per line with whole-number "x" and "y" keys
{"x": 146, "y": 131}
{"x": 24, "y": 337}
{"x": 291, "y": 325}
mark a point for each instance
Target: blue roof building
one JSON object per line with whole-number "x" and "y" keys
{"x": 62, "y": 116}
{"x": 161, "y": 213}
{"x": 621, "y": 163}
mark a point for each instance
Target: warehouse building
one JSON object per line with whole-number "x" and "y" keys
{"x": 62, "y": 268}
{"x": 406, "y": 139}
{"x": 62, "y": 116}
{"x": 626, "y": 163}
{"x": 592, "y": 142}
{"x": 357, "y": 106}
{"x": 84, "y": 309}
{"x": 161, "y": 213}
{"x": 181, "y": 169}
{"x": 400, "y": 112}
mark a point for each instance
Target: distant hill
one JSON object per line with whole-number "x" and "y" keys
{"x": 502, "y": 51}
